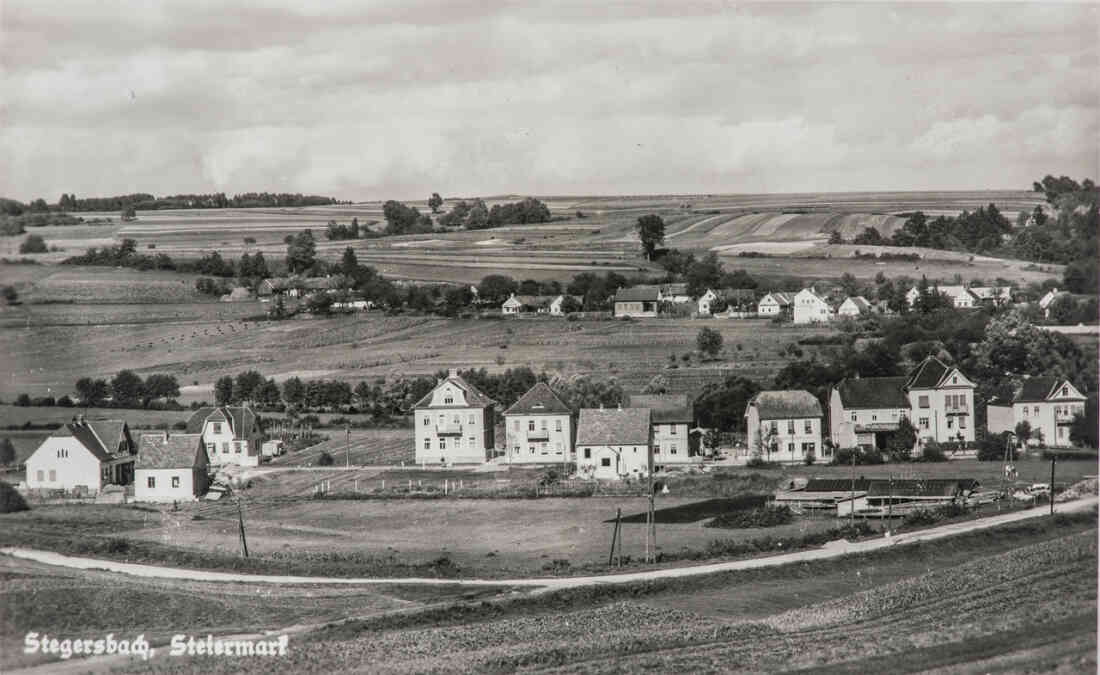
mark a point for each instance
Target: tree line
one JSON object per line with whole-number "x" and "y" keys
{"x": 216, "y": 200}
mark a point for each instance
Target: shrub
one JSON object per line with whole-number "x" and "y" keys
{"x": 33, "y": 244}
{"x": 7, "y": 451}
{"x": 10, "y": 500}
{"x": 992, "y": 448}
{"x": 766, "y": 516}
{"x": 65, "y": 402}
{"x": 23, "y": 401}
{"x": 843, "y": 456}
{"x": 325, "y": 459}
{"x": 932, "y": 452}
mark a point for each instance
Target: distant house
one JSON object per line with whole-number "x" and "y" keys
{"x": 231, "y": 434}
{"x": 863, "y": 411}
{"x": 541, "y": 304}
{"x": 637, "y": 301}
{"x": 960, "y": 296}
{"x": 672, "y": 416}
{"x": 238, "y": 294}
{"x": 809, "y": 307}
{"x": 995, "y": 295}
{"x": 557, "y": 305}
{"x": 775, "y": 304}
{"x": 171, "y": 468}
{"x": 453, "y": 423}
{"x": 854, "y": 306}
{"x": 613, "y": 443}
{"x": 1047, "y": 300}
{"x": 538, "y": 428}
{"x": 1049, "y": 405}
{"x": 83, "y": 456}
{"x": 512, "y": 305}
{"x": 676, "y": 293}
{"x": 736, "y": 300}
{"x": 785, "y": 426}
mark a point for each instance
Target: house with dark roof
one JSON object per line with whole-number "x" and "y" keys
{"x": 936, "y": 398}
{"x": 672, "y": 417}
{"x": 784, "y": 426}
{"x": 613, "y": 442}
{"x": 959, "y": 296}
{"x": 171, "y": 468}
{"x": 231, "y": 434}
{"x": 453, "y": 423}
{"x": 776, "y": 303}
{"x": 675, "y": 293}
{"x": 1048, "y": 405}
{"x": 854, "y": 306}
{"x": 83, "y": 456}
{"x": 538, "y": 428}
{"x": 637, "y": 301}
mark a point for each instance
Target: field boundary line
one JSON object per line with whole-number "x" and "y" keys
{"x": 546, "y": 584}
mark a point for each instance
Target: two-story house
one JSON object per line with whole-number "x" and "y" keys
{"x": 453, "y": 423}
{"x": 538, "y": 428}
{"x": 810, "y": 307}
{"x": 784, "y": 426}
{"x": 231, "y": 434}
{"x": 84, "y": 456}
{"x": 941, "y": 402}
{"x": 637, "y": 301}
{"x": 171, "y": 467}
{"x": 1048, "y": 405}
{"x": 613, "y": 442}
{"x": 775, "y": 304}
{"x": 671, "y": 416}
{"x": 864, "y": 411}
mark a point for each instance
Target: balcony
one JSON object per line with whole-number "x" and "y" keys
{"x": 451, "y": 429}
{"x": 957, "y": 410}
{"x": 1065, "y": 417}
{"x": 540, "y": 435}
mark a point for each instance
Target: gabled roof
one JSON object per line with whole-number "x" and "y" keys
{"x": 928, "y": 375}
{"x": 241, "y": 420}
{"x": 539, "y": 400}
{"x": 512, "y": 301}
{"x": 813, "y": 292}
{"x": 537, "y": 301}
{"x": 780, "y": 298}
{"x": 873, "y": 392}
{"x": 674, "y": 289}
{"x": 474, "y": 397}
{"x": 991, "y": 292}
{"x": 786, "y": 404}
{"x": 112, "y": 434}
{"x": 86, "y": 437}
{"x": 176, "y": 451}
{"x": 860, "y": 302}
{"x": 637, "y": 294}
{"x": 1038, "y": 389}
{"x": 613, "y": 426}
{"x": 664, "y": 408}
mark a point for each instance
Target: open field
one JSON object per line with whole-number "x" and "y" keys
{"x": 48, "y": 347}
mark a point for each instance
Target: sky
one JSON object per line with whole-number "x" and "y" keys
{"x": 381, "y": 100}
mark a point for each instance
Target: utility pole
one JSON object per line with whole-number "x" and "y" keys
{"x": 1052, "y": 462}
{"x": 240, "y": 523}
{"x": 652, "y": 524}
{"x": 890, "y": 505}
{"x": 852, "y": 503}
{"x": 347, "y": 446}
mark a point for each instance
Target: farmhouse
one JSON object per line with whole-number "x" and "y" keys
{"x": 775, "y": 304}
{"x": 613, "y": 442}
{"x": 231, "y": 434}
{"x": 238, "y": 294}
{"x": 1048, "y": 405}
{"x": 809, "y": 307}
{"x": 1047, "y": 300}
{"x": 83, "y": 456}
{"x": 672, "y": 416}
{"x": 512, "y": 305}
{"x": 675, "y": 293}
{"x": 538, "y": 428}
{"x": 736, "y": 302}
{"x": 637, "y": 301}
{"x": 994, "y": 295}
{"x": 453, "y": 423}
{"x": 171, "y": 468}
{"x": 543, "y": 304}
{"x": 785, "y": 426}
{"x": 863, "y": 412}
{"x": 960, "y": 296}
{"x": 854, "y": 306}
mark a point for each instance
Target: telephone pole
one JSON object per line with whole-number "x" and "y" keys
{"x": 852, "y": 503}
{"x": 651, "y": 527}
{"x": 347, "y": 445}
{"x": 240, "y": 523}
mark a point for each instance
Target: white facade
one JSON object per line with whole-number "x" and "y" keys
{"x": 855, "y": 427}
{"x": 944, "y": 413}
{"x": 787, "y": 441}
{"x": 454, "y": 425}
{"x": 1053, "y": 416}
{"x": 671, "y": 443}
{"x": 511, "y": 305}
{"x": 809, "y": 307}
{"x": 772, "y": 304}
{"x": 63, "y": 463}
{"x": 960, "y": 296}
{"x": 608, "y": 462}
{"x": 222, "y": 447}
{"x": 853, "y": 307}
{"x": 165, "y": 485}
{"x": 538, "y": 439}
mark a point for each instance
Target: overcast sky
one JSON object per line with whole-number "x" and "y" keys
{"x": 377, "y": 100}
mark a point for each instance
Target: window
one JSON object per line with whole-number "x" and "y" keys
{"x": 922, "y": 401}
{"x": 1065, "y": 391}
{"x": 470, "y": 443}
{"x": 557, "y": 425}
{"x": 605, "y": 461}
{"x": 542, "y": 425}
{"x": 923, "y": 423}
{"x": 427, "y": 420}
{"x": 225, "y": 447}
{"x": 954, "y": 380}
{"x": 175, "y": 481}
{"x": 1061, "y": 432}
{"x": 530, "y": 425}
{"x": 443, "y": 444}
{"x": 790, "y": 427}
{"x": 588, "y": 453}
{"x": 557, "y": 448}
{"x": 1035, "y": 409}
{"x": 41, "y": 476}
{"x": 217, "y": 429}
{"x": 237, "y": 447}
{"x": 1025, "y": 411}
{"x": 448, "y": 399}
{"x": 471, "y": 419}
{"x": 853, "y": 417}
{"x": 672, "y": 449}
{"x": 151, "y": 482}
{"x": 543, "y": 448}
{"x": 775, "y": 427}
{"x": 210, "y": 449}
{"x": 962, "y": 422}
{"x": 790, "y": 448}
{"x": 456, "y": 420}
{"x": 874, "y": 417}
{"x": 657, "y": 449}
{"x": 808, "y": 427}
{"x": 672, "y": 429}
{"x": 427, "y": 444}
{"x": 53, "y": 475}
{"x": 950, "y": 423}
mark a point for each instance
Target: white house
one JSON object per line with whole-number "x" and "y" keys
{"x": 512, "y": 305}
{"x": 171, "y": 468}
{"x": 453, "y": 423}
{"x": 737, "y": 300}
{"x": 1047, "y": 300}
{"x": 1049, "y": 405}
{"x": 997, "y": 295}
{"x": 775, "y": 304}
{"x": 538, "y": 428}
{"x": 83, "y": 456}
{"x": 960, "y": 296}
{"x": 231, "y": 434}
{"x": 676, "y": 293}
{"x": 785, "y": 426}
{"x": 809, "y": 307}
{"x": 637, "y": 301}
{"x": 864, "y": 411}
{"x": 613, "y": 442}
{"x": 672, "y": 417}
{"x": 854, "y": 306}
{"x": 941, "y": 402}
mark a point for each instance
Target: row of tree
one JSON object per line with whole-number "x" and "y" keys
{"x": 127, "y": 389}
{"x": 218, "y": 200}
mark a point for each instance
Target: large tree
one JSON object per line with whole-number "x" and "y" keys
{"x": 301, "y": 252}
{"x": 651, "y": 231}
{"x": 496, "y": 288}
{"x": 709, "y": 341}
{"x": 223, "y": 390}
{"x": 127, "y": 388}
{"x": 91, "y": 392}
{"x": 162, "y": 386}
{"x": 434, "y": 202}
{"x": 247, "y": 385}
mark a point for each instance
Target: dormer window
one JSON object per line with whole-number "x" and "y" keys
{"x": 954, "y": 380}
{"x": 1065, "y": 391}
{"x": 217, "y": 427}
